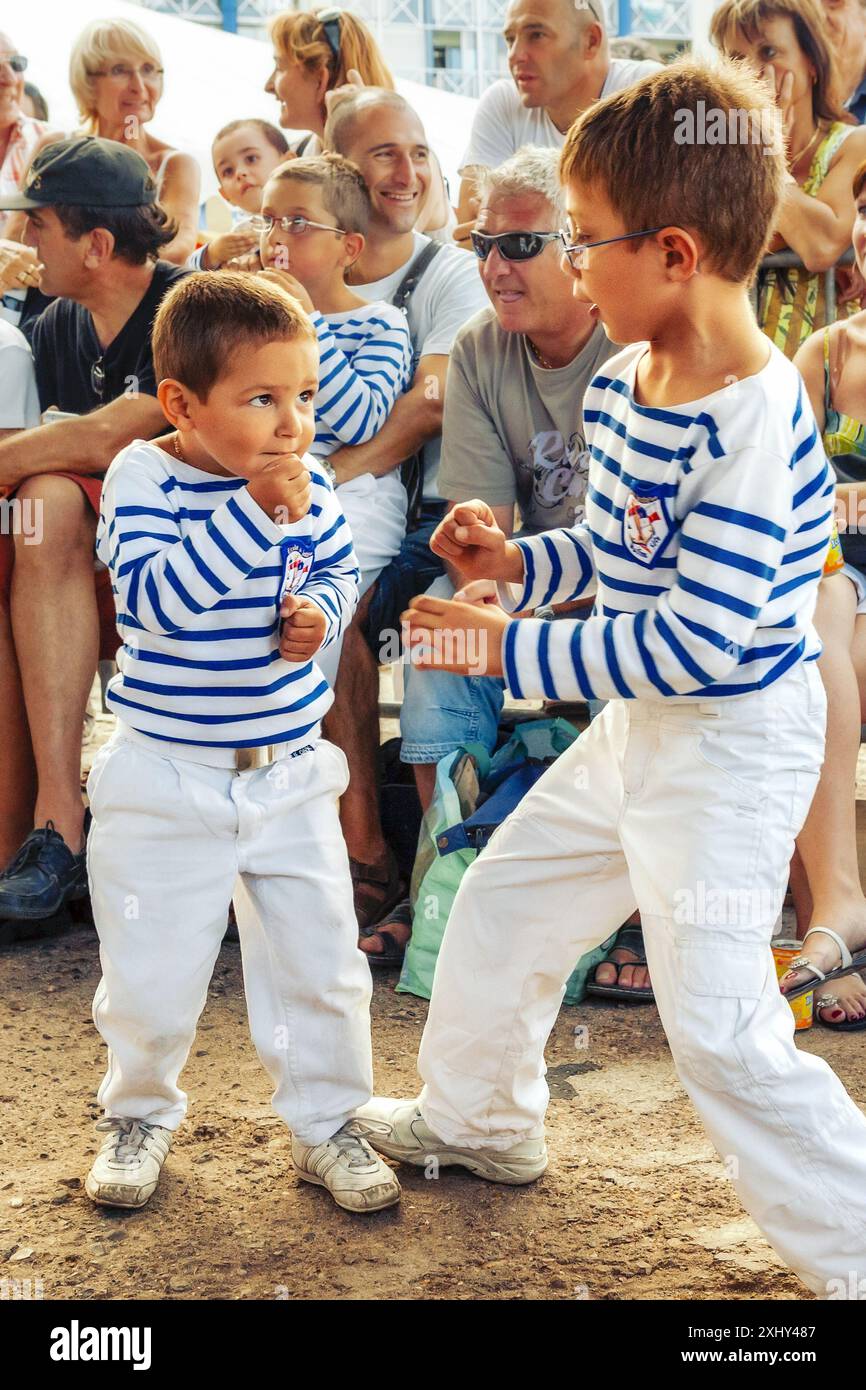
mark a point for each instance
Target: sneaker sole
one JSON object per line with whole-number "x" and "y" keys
{"x": 471, "y": 1159}
{"x": 381, "y": 1205}
{"x": 106, "y": 1194}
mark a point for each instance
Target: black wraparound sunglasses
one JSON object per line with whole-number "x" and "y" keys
{"x": 16, "y": 61}
{"x": 513, "y": 246}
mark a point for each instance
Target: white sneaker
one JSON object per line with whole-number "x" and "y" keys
{"x": 128, "y": 1165}
{"x": 355, "y": 1176}
{"x": 397, "y": 1128}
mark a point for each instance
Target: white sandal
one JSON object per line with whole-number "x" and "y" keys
{"x": 802, "y": 962}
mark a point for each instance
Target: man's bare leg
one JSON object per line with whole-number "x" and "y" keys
{"x": 56, "y": 630}
{"x": 18, "y": 783}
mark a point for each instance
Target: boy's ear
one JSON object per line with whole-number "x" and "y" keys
{"x": 353, "y": 245}
{"x": 682, "y": 255}
{"x": 174, "y": 398}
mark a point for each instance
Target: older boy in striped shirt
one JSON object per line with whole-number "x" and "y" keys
{"x": 232, "y": 566}
{"x": 709, "y": 510}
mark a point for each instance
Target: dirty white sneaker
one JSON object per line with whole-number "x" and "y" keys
{"x": 355, "y": 1176}
{"x": 397, "y": 1128}
{"x": 128, "y": 1165}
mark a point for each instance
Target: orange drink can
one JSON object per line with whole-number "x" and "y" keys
{"x": 783, "y": 953}
{"x": 834, "y": 560}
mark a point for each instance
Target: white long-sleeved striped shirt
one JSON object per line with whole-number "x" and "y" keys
{"x": 198, "y": 572}
{"x": 365, "y": 365}
{"x": 706, "y": 530}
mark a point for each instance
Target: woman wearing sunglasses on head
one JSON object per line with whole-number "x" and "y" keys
{"x": 316, "y": 53}
{"x": 20, "y": 135}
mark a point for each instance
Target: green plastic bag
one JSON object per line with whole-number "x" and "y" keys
{"x": 436, "y": 877}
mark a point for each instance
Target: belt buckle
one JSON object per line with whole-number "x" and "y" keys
{"x": 251, "y": 759}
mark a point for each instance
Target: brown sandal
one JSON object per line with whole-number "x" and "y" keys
{"x": 377, "y": 888}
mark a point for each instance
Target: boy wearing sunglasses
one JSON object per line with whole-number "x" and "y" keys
{"x": 709, "y": 509}
{"x": 316, "y": 211}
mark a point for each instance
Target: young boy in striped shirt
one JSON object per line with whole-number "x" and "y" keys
{"x": 232, "y": 566}
{"x": 316, "y": 211}
{"x": 709, "y": 509}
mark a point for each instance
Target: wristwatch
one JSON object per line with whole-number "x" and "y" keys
{"x": 329, "y": 469}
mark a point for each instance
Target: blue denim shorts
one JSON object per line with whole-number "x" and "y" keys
{"x": 412, "y": 571}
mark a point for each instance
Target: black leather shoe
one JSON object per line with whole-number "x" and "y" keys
{"x": 42, "y": 877}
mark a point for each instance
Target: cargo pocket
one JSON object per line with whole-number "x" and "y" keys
{"x": 723, "y": 1035}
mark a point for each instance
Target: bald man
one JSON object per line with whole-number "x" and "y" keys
{"x": 560, "y": 64}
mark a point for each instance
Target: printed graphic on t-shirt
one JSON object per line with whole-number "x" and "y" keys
{"x": 555, "y": 474}
{"x": 646, "y": 527}
{"x": 297, "y": 561}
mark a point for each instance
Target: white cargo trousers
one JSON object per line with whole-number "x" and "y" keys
{"x": 171, "y": 841}
{"x": 688, "y": 811}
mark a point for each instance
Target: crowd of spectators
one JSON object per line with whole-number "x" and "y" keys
{"x": 454, "y": 360}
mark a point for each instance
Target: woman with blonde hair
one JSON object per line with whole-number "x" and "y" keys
{"x": 318, "y": 52}
{"x": 116, "y": 76}
{"x": 787, "y": 41}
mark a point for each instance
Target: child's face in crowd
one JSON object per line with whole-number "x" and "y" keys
{"x": 313, "y": 256}
{"x": 261, "y": 407}
{"x": 621, "y": 281}
{"x": 527, "y": 295}
{"x": 775, "y": 52}
{"x": 390, "y": 148}
{"x": 243, "y": 163}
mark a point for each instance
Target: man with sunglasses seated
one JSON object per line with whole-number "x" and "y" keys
{"x": 94, "y": 223}
{"x": 513, "y": 429}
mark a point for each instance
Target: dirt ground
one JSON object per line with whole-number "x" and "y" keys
{"x": 635, "y": 1204}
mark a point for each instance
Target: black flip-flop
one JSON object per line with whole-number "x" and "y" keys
{"x": 628, "y": 938}
{"x": 853, "y": 964}
{"x": 400, "y": 915}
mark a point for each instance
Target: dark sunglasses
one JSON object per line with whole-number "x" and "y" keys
{"x": 16, "y": 61}
{"x": 330, "y": 22}
{"x": 97, "y": 378}
{"x": 513, "y": 246}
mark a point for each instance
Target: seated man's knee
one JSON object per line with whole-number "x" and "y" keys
{"x": 441, "y": 711}
{"x": 55, "y": 521}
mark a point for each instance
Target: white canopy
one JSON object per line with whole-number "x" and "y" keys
{"x": 210, "y": 78}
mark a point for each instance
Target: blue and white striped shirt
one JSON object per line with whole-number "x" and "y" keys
{"x": 198, "y": 572}
{"x": 706, "y": 530}
{"x": 365, "y": 365}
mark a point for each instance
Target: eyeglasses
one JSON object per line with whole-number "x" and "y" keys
{"x": 512, "y": 246}
{"x": 16, "y": 61}
{"x": 121, "y": 72}
{"x": 97, "y": 378}
{"x": 330, "y": 22}
{"x": 296, "y": 226}
{"x": 577, "y": 253}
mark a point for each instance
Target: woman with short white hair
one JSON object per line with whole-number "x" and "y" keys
{"x": 116, "y": 76}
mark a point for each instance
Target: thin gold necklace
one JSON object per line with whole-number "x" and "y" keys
{"x": 540, "y": 357}
{"x": 795, "y": 159}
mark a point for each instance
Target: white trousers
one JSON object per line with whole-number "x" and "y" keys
{"x": 171, "y": 841}
{"x": 375, "y": 509}
{"x": 689, "y": 812}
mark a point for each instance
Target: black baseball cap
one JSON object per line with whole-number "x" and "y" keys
{"x": 86, "y": 172}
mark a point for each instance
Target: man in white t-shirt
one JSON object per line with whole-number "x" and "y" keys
{"x": 19, "y": 399}
{"x": 560, "y": 64}
{"x": 383, "y": 135}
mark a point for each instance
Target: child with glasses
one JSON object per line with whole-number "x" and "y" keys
{"x": 232, "y": 567}
{"x": 709, "y": 508}
{"x": 316, "y": 211}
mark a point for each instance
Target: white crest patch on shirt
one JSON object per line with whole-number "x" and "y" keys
{"x": 297, "y": 562}
{"x": 645, "y": 527}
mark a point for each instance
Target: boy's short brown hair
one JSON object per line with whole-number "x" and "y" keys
{"x": 344, "y": 192}
{"x": 206, "y": 316}
{"x": 647, "y": 147}
{"x": 269, "y": 132}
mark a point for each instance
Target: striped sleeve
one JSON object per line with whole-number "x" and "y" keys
{"x": 355, "y": 398}
{"x": 731, "y": 547}
{"x": 333, "y": 580}
{"x": 558, "y": 566}
{"x": 165, "y": 581}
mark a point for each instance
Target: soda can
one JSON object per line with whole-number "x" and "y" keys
{"x": 784, "y": 951}
{"x": 834, "y": 560}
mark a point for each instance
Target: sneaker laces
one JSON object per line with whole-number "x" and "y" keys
{"x": 350, "y": 1141}
{"x": 131, "y": 1134}
{"x": 30, "y": 848}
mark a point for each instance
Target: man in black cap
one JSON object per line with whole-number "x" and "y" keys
{"x": 94, "y": 222}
